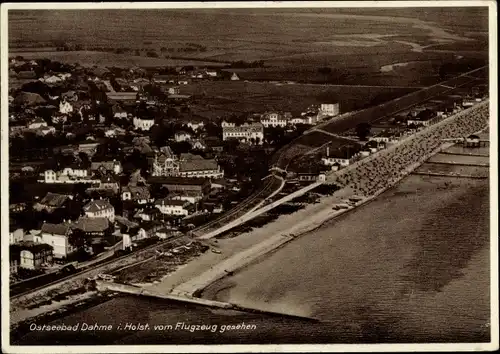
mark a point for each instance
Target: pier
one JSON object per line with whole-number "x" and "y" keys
{"x": 173, "y": 296}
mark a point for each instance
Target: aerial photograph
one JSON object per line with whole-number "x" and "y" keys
{"x": 247, "y": 175}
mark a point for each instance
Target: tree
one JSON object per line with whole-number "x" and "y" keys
{"x": 78, "y": 239}
{"x": 363, "y": 130}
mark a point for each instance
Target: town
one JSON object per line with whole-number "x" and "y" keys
{"x": 106, "y": 160}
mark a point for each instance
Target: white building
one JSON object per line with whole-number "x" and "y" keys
{"x": 37, "y": 123}
{"x": 329, "y": 109}
{"x": 143, "y": 123}
{"x": 246, "y": 132}
{"x": 274, "y": 119}
{"x": 16, "y": 235}
{"x": 100, "y": 208}
{"x": 172, "y": 206}
{"x": 195, "y": 125}
{"x": 342, "y": 157}
{"x": 51, "y": 176}
{"x": 65, "y": 107}
{"x": 57, "y": 236}
{"x": 182, "y": 136}
{"x": 227, "y": 124}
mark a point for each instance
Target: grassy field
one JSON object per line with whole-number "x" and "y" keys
{"x": 214, "y": 97}
{"x": 291, "y": 37}
{"x": 91, "y": 58}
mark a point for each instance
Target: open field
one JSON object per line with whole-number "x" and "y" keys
{"x": 215, "y": 97}
{"x": 284, "y": 37}
{"x": 91, "y": 58}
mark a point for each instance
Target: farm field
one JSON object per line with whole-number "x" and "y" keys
{"x": 284, "y": 37}
{"x": 91, "y": 58}
{"x": 215, "y": 97}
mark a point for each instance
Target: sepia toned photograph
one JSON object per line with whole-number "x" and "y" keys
{"x": 237, "y": 175}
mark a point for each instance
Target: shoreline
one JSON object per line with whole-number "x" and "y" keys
{"x": 194, "y": 285}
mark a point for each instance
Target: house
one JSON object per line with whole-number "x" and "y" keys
{"x": 275, "y": 119}
{"x": 424, "y": 118}
{"x": 226, "y": 124}
{"x": 198, "y": 145}
{"x": 343, "y": 156}
{"x": 43, "y": 131}
{"x": 139, "y": 194}
{"x": 247, "y": 133}
{"x": 51, "y": 79}
{"x": 35, "y": 255}
{"x": 196, "y": 166}
{"x": 37, "y": 123}
{"x": 89, "y": 146}
{"x": 52, "y": 201}
{"x": 95, "y": 229}
{"x": 181, "y": 184}
{"x": 143, "y": 123}
{"x": 329, "y": 109}
{"x": 192, "y": 197}
{"x": 68, "y": 175}
{"x": 172, "y": 206}
{"x": 165, "y": 163}
{"x": 14, "y": 259}
{"x": 57, "y": 236}
{"x": 148, "y": 214}
{"x": 65, "y": 107}
{"x": 99, "y": 208}
{"x": 195, "y": 125}
{"x": 75, "y": 171}
{"x": 110, "y": 182}
{"x": 70, "y": 96}
{"x": 472, "y": 141}
{"x": 123, "y": 96}
{"x": 173, "y": 90}
{"x": 182, "y": 136}
{"x": 16, "y": 234}
{"x": 107, "y": 167}
{"x": 234, "y": 77}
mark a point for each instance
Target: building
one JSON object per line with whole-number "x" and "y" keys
{"x": 343, "y": 156}
{"x": 14, "y": 259}
{"x": 172, "y": 206}
{"x": 182, "y": 184}
{"x": 52, "y": 202}
{"x": 234, "y": 77}
{"x": 139, "y": 194}
{"x": 67, "y": 176}
{"x": 196, "y": 166}
{"x": 122, "y": 96}
{"x": 107, "y": 167}
{"x": 37, "y": 123}
{"x": 424, "y": 118}
{"x": 195, "y": 125}
{"x": 329, "y": 109}
{"x": 100, "y": 208}
{"x": 95, "y": 229}
{"x": 65, "y": 107}
{"x": 251, "y": 133}
{"x": 144, "y": 123}
{"x": 35, "y": 255}
{"x": 192, "y": 197}
{"x": 182, "y": 136}
{"x": 110, "y": 182}
{"x": 16, "y": 234}
{"x": 57, "y": 236}
{"x": 226, "y": 124}
{"x": 472, "y": 141}
{"x": 275, "y": 119}
{"x": 165, "y": 163}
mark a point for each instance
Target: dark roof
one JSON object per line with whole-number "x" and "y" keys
{"x": 178, "y": 181}
{"x": 137, "y": 192}
{"x": 34, "y": 247}
{"x": 54, "y": 200}
{"x": 57, "y": 229}
{"x": 92, "y": 224}
{"x": 97, "y": 205}
{"x": 174, "y": 202}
